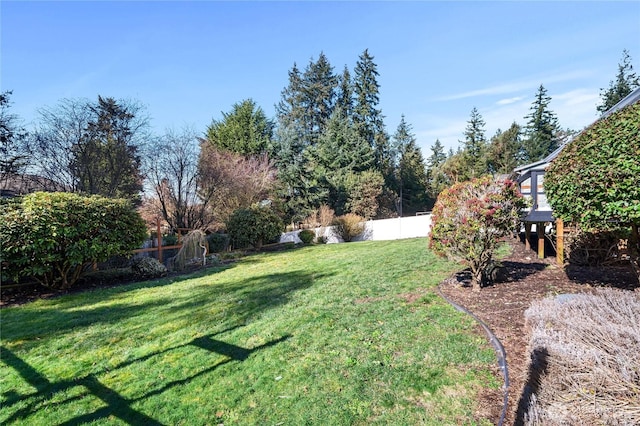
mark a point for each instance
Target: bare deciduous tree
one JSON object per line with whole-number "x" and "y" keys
{"x": 173, "y": 172}
{"x": 232, "y": 181}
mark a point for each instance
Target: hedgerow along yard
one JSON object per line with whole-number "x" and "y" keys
{"x": 331, "y": 334}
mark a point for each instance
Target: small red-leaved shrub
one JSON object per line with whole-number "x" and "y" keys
{"x": 470, "y": 217}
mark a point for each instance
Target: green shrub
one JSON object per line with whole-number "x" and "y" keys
{"x": 170, "y": 240}
{"x": 348, "y": 226}
{"x": 254, "y": 227}
{"x": 218, "y": 242}
{"x": 595, "y": 180}
{"x": 54, "y": 237}
{"x": 148, "y": 267}
{"x": 306, "y": 236}
{"x": 470, "y": 217}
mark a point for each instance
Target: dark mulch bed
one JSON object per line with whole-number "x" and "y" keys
{"x": 502, "y": 305}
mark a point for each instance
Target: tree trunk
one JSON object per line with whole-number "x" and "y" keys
{"x": 476, "y": 277}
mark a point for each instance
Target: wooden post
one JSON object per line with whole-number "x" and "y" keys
{"x": 159, "y": 231}
{"x": 540, "y": 232}
{"x": 527, "y": 235}
{"x": 560, "y": 242}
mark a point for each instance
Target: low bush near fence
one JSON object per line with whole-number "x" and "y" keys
{"x": 254, "y": 227}
{"x": 584, "y": 360}
{"x": 348, "y": 226}
{"x": 218, "y": 242}
{"x": 148, "y": 267}
{"x": 54, "y": 237}
{"x": 307, "y": 236}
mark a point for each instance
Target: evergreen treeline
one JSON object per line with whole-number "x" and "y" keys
{"x": 332, "y": 147}
{"x": 326, "y": 146}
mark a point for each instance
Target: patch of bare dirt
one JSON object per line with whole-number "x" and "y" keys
{"x": 501, "y": 306}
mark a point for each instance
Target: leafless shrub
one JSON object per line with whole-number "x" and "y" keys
{"x": 325, "y": 215}
{"x": 348, "y": 226}
{"x": 585, "y": 359}
{"x": 233, "y": 181}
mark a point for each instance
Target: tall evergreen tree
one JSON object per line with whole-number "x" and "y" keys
{"x": 626, "y": 81}
{"x": 303, "y": 112}
{"x": 339, "y": 152}
{"x": 504, "y": 150}
{"x": 475, "y": 145}
{"x": 106, "y": 161}
{"x": 436, "y": 179}
{"x": 541, "y": 130}
{"x": 411, "y": 171}
{"x": 290, "y": 109}
{"x": 345, "y": 93}
{"x": 245, "y": 130}
{"x": 318, "y": 94}
{"x": 299, "y": 189}
{"x": 437, "y": 156}
{"x": 367, "y": 116}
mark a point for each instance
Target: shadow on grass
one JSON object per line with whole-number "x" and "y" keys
{"x": 116, "y": 404}
{"x": 245, "y": 299}
{"x": 250, "y": 296}
{"x": 253, "y": 295}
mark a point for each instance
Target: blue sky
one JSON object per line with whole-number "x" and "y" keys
{"x": 189, "y": 61}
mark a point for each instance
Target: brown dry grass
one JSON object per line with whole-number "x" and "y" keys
{"x": 585, "y": 359}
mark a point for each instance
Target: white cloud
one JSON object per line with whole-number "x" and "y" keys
{"x": 508, "y": 101}
{"x": 527, "y": 84}
{"x": 576, "y": 109}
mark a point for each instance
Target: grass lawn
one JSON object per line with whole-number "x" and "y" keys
{"x": 342, "y": 334}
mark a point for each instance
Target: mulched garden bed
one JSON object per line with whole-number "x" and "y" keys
{"x": 502, "y": 305}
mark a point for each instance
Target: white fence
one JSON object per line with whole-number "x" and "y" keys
{"x": 378, "y": 230}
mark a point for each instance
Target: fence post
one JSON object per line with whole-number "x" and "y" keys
{"x": 159, "y": 231}
{"x": 540, "y": 231}
{"x": 527, "y": 235}
{"x": 560, "y": 242}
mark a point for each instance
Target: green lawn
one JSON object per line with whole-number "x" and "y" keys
{"x": 346, "y": 334}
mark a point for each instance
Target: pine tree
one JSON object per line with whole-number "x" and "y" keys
{"x": 367, "y": 116}
{"x": 437, "y": 155}
{"x": 303, "y": 112}
{"x": 339, "y": 152}
{"x": 107, "y": 161}
{"x": 299, "y": 190}
{"x": 541, "y": 129}
{"x": 345, "y": 93}
{"x": 318, "y": 96}
{"x": 475, "y": 145}
{"x": 504, "y": 150}
{"x": 436, "y": 179}
{"x": 245, "y": 130}
{"x": 289, "y": 110}
{"x": 626, "y": 81}
{"x": 411, "y": 171}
